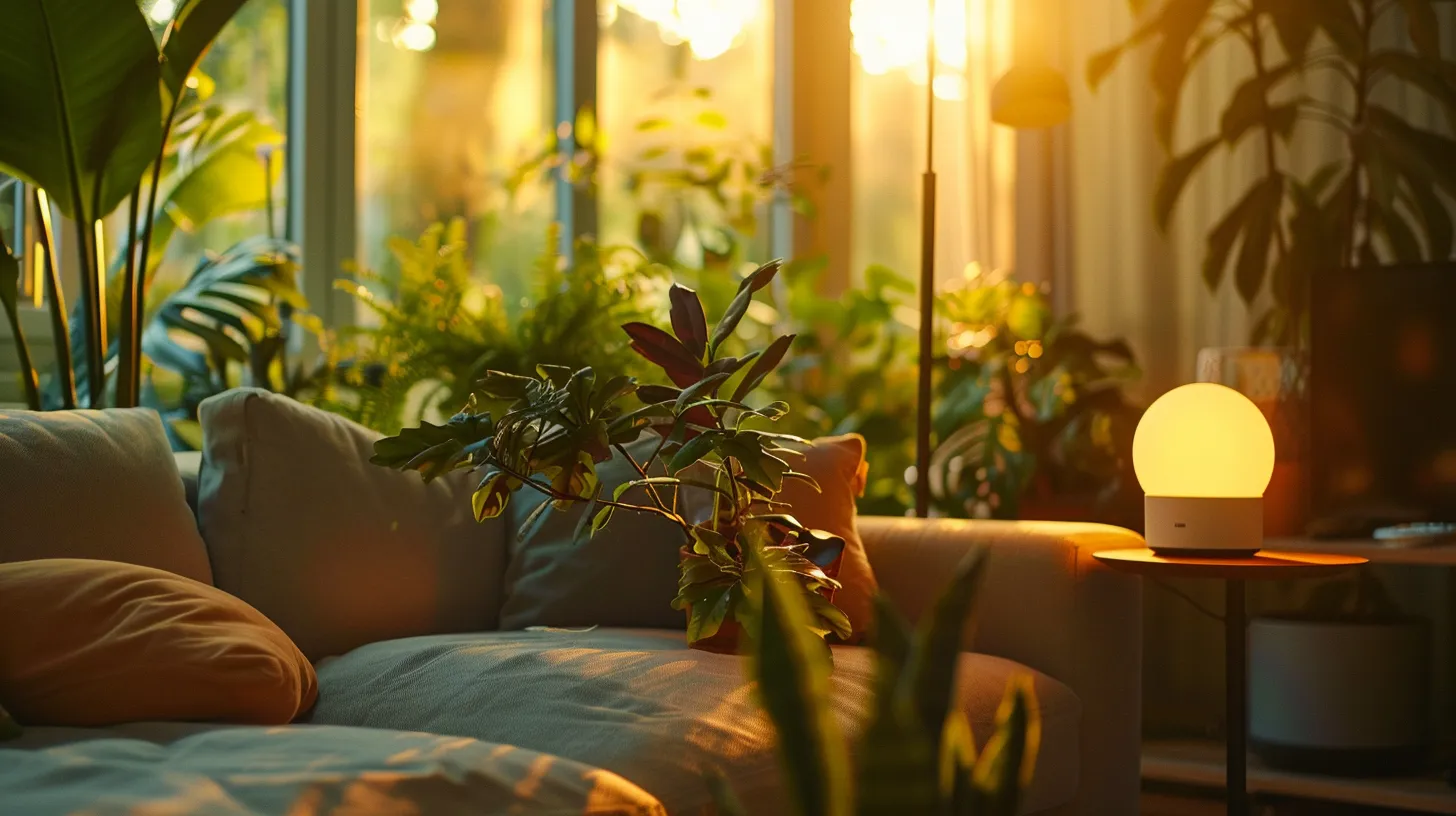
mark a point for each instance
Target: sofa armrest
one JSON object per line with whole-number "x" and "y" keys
{"x": 1048, "y": 604}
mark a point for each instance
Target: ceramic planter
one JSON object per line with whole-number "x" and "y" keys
{"x": 1349, "y": 698}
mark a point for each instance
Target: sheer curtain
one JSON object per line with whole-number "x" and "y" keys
{"x": 1128, "y": 280}
{"x": 1122, "y": 275}
{"x": 974, "y": 159}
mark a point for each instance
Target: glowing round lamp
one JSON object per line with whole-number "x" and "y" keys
{"x": 1031, "y": 96}
{"x": 1204, "y": 454}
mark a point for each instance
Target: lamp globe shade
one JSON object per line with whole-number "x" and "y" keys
{"x": 1204, "y": 455}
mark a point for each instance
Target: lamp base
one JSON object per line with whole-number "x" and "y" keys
{"x": 1217, "y": 552}
{"x": 1206, "y": 527}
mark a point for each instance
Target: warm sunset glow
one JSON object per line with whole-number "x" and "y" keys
{"x": 708, "y": 27}
{"x": 890, "y": 35}
{"x": 1203, "y": 440}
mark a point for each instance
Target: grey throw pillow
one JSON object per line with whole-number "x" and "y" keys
{"x": 337, "y": 551}
{"x": 625, "y": 576}
{"x": 95, "y": 484}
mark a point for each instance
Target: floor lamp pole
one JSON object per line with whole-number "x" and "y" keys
{"x": 927, "y": 282}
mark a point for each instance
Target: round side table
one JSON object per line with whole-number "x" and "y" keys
{"x": 1263, "y": 565}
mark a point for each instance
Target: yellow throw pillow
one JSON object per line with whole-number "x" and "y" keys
{"x": 93, "y": 643}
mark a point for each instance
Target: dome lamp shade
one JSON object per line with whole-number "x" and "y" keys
{"x": 1031, "y": 96}
{"x": 1204, "y": 455}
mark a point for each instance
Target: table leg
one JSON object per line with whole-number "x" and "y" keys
{"x": 1236, "y": 697}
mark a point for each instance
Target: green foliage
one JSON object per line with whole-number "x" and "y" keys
{"x": 91, "y": 98}
{"x": 80, "y": 82}
{"x": 557, "y": 424}
{"x": 437, "y": 327}
{"x": 80, "y": 87}
{"x": 917, "y": 757}
{"x": 1380, "y": 202}
{"x": 1030, "y": 407}
{"x": 211, "y": 168}
{"x": 698, "y": 192}
{"x": 1066, "y": 431}
{"x": 228, "y": 326}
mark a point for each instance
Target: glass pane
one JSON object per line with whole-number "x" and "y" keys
{"x": 686, "y": 109}
{"x": 975, "y": 159}
{"x": 221, "y": 192}
{"x": 454, "y": 100}
{"x": 13, "y": 232}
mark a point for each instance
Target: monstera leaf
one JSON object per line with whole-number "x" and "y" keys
{"x": 227, "y": 311}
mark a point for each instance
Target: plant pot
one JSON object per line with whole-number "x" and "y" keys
{"x": 1345, "y": 698}
{"x": 724, "y": 641}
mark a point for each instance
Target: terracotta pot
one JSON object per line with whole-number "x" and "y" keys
{"x": 726, "y": 639}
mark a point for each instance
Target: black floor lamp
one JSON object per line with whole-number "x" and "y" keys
{"x": 1030, "y": 96}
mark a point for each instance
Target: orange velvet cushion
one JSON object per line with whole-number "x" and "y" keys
{"x": 93, "y": 643}
{"x": 837, "y": 463}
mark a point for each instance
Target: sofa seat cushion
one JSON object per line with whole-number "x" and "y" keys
{"x": 642, "y": 705}
{"x": 166, "y": 768}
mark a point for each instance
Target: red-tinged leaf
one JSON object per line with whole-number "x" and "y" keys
{"x": 763, "y": 366}
{"x": 665, "y": 351}
{"x": 702, "y": 417}
{"x": 688, "y": 321}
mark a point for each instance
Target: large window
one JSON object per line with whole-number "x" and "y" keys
{"x": 454, "y": 101}
{"x": 686, "y": 102}
{"x": 229, "y": 142}
{"x": 12, "y": 228}
{"x": 975, "y": 160}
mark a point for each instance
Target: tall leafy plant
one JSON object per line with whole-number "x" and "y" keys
{"x": 1380, "y": 201}
{"x": 90, "y": 98}
{"x": 559, "y": 424}
{"x": 439, "y": 325}
{"x": 917, "y": 756}
{"x": 1027, "y": 405}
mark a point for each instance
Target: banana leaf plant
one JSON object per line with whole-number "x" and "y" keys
{"x": 90, "y": 99}
{"x": 711, "y": 451}
{"x": 917, "y": 756}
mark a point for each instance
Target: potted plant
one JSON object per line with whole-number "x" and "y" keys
{"x": 1033, "y": 421}
{"x": 1378, "y": 200}
{"x": 1061, "y": 451}
{"x": 713, "y": 448}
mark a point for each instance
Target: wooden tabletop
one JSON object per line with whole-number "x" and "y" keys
{"x": 1263, "y": 565}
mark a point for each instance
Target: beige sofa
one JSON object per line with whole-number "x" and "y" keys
{"x": 637, "y": 703}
